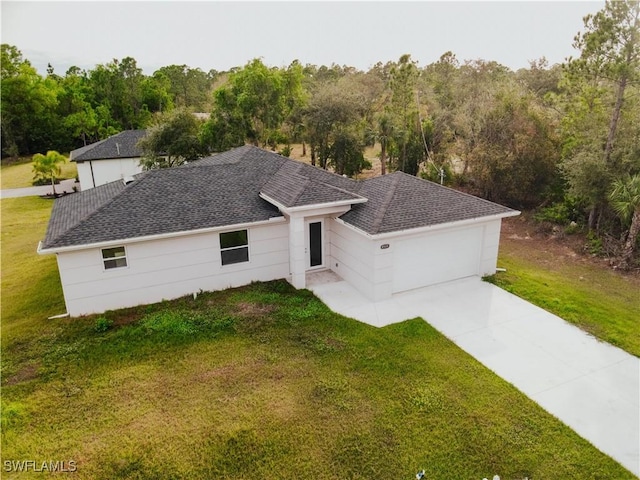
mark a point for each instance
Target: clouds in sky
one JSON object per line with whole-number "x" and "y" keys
{"x": 222, "y": 35}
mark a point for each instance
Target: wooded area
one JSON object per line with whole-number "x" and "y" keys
{"x": 563, "y": 139}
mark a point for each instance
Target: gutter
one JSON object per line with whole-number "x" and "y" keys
{"x": 160, "y": 236}
{"x": 315, "y": 206}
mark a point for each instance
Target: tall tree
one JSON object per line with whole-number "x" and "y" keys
{"x": 118, "y": 86}
{"x": 188, "y": 87}
{"x": 173, "y": 141}
{"x": 407, "y": 150}
{"x": 346, "y": 152}
{"x": 28, "y": 105}
{"x": 515, "y": 157}
{"x": 595, "y": 87}
{"x": 331, "y": 109}
{"x": 610, "y": 49}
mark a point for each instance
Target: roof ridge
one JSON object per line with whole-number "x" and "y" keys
{"x": 297, "y": 168}
{"x": 382, "y": 211}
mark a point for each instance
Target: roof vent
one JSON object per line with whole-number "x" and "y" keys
{"x": 118, "y": 147}
{"x": 128, "y": 180}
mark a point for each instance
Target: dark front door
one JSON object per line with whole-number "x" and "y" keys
{"x": 315, "y": 244}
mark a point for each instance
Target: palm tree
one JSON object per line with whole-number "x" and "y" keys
{"x": 47, "y": 166}
{"x": 383, "y": 134}
{"x": 625, "y": 199}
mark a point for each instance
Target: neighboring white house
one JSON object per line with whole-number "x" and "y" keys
{"x": 249, "y": 214}
{"x": 113, "y": 158}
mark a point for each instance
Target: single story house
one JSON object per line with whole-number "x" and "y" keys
{"x": 114, "y": 158}
{"x": 252, "y": 215}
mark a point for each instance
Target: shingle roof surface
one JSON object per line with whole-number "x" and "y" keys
{"x": 166, "y": 201}
{"x": 297, "y": 184}
{"x": 224, "y": 190}
{"x": 121, "y": 145}
{"x": 399, "y": 202}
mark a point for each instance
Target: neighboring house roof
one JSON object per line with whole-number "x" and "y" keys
{"x": 225, "y": 190}
{"x": 121, "y": 145}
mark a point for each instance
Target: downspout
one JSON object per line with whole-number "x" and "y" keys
{"x": 93, "y": 180}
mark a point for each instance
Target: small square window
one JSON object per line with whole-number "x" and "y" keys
{"x": 234, "y": 247}
{"x": 114, "y": 257}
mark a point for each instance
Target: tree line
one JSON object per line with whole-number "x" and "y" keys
{"x": 564, "y": 139}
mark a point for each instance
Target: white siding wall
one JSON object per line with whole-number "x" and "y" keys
{"x": 105, "y": 171}
{"x": 169, "y": 268}
{"x": 351, "y": 256}
{"x": 379, "y": 268}
{"x": 489, "y": 251}
{"x": 84, "y": 175}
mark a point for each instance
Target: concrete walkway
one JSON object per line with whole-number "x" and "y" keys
{"x": 591, "y": 386}
{"x": 64, "y": 186}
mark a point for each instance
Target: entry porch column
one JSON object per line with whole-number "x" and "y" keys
{"x": 297, "y": 253}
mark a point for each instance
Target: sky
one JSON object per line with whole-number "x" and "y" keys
{"x": 222, "y": 35}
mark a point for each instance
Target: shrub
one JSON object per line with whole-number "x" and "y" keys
{"x": 102, "y": 324}
{"x": 286, "y": 151}
{"x": 561, "y": 213}
{"x": 594, "y": 244}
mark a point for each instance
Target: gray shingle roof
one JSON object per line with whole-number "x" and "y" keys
{"x": 166, "y": 201}
{"x": 224, "y": 190}
{"x": 399, "y": 202}
{"x": 121, "y": 145}
{"x": 297, "y": 184}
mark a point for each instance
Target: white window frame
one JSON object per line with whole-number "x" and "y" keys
{"x": 227, "y": 249}
{"x": 111, "y": 259}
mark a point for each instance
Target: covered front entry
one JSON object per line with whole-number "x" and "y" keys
{"x": 308, "y": 239}
{"x": 436, "y": 257}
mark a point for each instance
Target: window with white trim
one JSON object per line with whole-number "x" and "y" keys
{"x": 234, "y": 247}
{"x": 115, "y": 257}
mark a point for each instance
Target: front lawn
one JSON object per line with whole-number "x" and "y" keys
{"x": 258, "y": 382}
{"x": 19, "y": 173}
{"x": 597, "y": 299}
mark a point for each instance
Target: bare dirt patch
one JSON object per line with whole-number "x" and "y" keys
{"x": 252, "y": 310}
{"x": 549, "y": 246}
{"x": 26, "y": 373}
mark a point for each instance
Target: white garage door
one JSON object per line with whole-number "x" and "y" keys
{"x": 435, "y": 258}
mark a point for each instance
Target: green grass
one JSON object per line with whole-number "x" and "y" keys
{"x": 257, "y": 382}
{"x": 598, "y": 300}
{"x": 19, "y": 174}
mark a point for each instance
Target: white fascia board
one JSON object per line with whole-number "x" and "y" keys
{"x": 430, "y": 228}
{"x": 160, "y": 236}
{"x": 315, "y": 206}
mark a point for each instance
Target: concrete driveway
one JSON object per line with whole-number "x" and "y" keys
{"x": 591, "y": 386}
